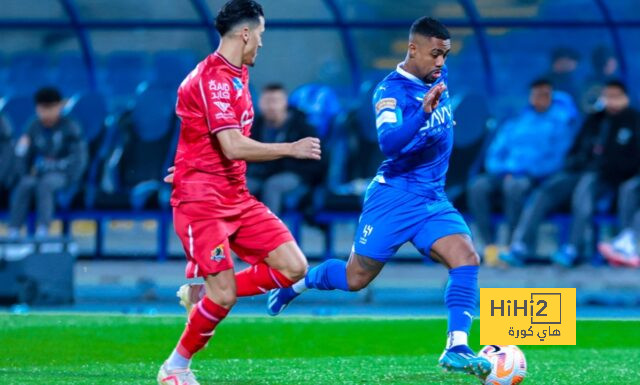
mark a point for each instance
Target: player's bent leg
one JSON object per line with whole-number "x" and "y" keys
{"x": 333, "y": 274}
{"x": 289, "y": 260}
{"x": 361, "y": 270}
{"x": 279, "y": 270}
{"x": 282, "y": 266}
{"x": 461, "y": 297}
{"x": 206, "y": 315}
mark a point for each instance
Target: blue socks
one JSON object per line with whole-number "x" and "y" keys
{"x": 461, "y": 297}
{"x": 329, "y": 275}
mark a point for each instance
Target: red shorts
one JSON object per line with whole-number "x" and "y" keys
{"x": 207, "y": 240}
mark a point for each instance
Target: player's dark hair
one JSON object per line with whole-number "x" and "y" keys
{"x": 615, "y": 83}
{"x": 235, "y": 12}
{"x": 541, "y": 82}
{"x": 47, "y": 95}
{"x": 273, "y": 87}
{"x": 429, "y": 27}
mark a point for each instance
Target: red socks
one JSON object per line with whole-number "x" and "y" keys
{"x": 258, "y": 279}
{"x": 202, "y": 321}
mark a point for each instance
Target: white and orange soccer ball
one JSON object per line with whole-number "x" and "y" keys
{"x": 508, "y": 365}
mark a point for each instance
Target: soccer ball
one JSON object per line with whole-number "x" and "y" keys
{"x": 508, "y": 365}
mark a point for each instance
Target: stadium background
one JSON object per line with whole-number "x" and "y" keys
{"x": 115, "y": 58}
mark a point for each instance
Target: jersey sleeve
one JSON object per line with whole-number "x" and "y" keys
{"x": 395, "y": 123}
{"x": 217, "y": 97}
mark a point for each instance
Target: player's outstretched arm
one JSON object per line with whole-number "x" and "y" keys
{"x": 236, "y": 146}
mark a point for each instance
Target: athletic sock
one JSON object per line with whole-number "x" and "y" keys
{"x": 329, "y": 275}
{"x": 259, "y": 279}
{"x": 461, "y": 298}
{"x": 299, "y": 286}
{"x": 177, "y": 361}
{"x": 202, "y": 321}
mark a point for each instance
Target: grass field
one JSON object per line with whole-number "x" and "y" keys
{"x": 95, "y": 349}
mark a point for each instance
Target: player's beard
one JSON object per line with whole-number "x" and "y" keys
{"x": 429, "y": 78}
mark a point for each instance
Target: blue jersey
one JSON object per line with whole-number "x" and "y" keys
{"x": 417, "y": 145}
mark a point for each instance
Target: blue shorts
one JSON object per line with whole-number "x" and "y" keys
{"x": 391, "y": 217}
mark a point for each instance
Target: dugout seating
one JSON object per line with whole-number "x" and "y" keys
{"x": 122, "y": 73}
{"x": 139, "y": 151}
{"x": 171, "y": 67}
{"x": 320, "y": 103}
{"x": 321, "y": 106}
{"x": 472, "y": 137}
{"x": 18, "y": 110}
{"x": 6, "y": 161}
{"x": 89, "y": 110}
{"x": 70, "y": 74}
{"x": 27, "y": 71}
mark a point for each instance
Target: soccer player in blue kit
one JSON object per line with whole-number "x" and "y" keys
{"x": 406, "y": 201}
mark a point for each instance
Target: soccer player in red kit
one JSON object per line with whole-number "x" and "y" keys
{"x": 213, "y": 211}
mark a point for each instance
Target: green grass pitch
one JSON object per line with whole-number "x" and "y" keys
{"x": 96, "y": 349}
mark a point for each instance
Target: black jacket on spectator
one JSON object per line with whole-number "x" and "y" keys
{"x": 60, "y": 148}
{"x": 6, "y": 154}
{"x": 609, "y": 145}
{"x": 295, "y": 128}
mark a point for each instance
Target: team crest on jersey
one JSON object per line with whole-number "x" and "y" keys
{"x": 237, "y": 85}
{"x": 386, "y": 104}
{"x": 217, "y": 254}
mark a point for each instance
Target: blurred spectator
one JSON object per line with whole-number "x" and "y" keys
{"x": 524, "y": 152}
{"x": 277, "y": 123}
{"x": 623, "y": 249}
{"x": 52, "y": 155}
{"x": 604, "y": 68}
{"x": 605, "y": 153}
{"x": 564, "y": 62}
{"x": 6, "y": 154}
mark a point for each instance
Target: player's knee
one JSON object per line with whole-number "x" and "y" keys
{"x": 471, "y": 259}
{"x": 224, "y": 298}
{"x": 357, "y": 282}
{"x": 296, "y": 269}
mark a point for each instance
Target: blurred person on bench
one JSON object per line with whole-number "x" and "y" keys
{"x": 523, "y": 153}
{"x": 604, "y": 158}
{"x": 278, "y": 123}
{"x": 51, "y": 155}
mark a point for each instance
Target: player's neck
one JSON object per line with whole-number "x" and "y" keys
{"x": 231, "y": 51}
{"x": 409, "y": 66}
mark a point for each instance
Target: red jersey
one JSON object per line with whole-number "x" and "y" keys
{"x": 213, "y": 97}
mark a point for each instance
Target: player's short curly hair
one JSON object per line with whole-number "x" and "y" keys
{"x": 235, "y": 12}
{"x": 429, "y": 27}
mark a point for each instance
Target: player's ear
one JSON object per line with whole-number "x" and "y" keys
{"x": 412, "y": 49}
{"x": 245, "y": 34}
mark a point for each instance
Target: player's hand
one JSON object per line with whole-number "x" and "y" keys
{"x": 432, "y": 98}
{"x": 169, "y": 178}
{"x": 306, "y": 148}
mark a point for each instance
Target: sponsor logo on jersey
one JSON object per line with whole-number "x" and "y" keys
{"x": 219, "y": 90}
{"x": 217, "y": 254}
{"x": 366, "y": 231}
{"x": 222, "y": 106}
{"x": 440, "y": 117}
{"x": 225, "y": 115}
{"x": 386, "y": 104}
{"x": 245, "y": 119}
